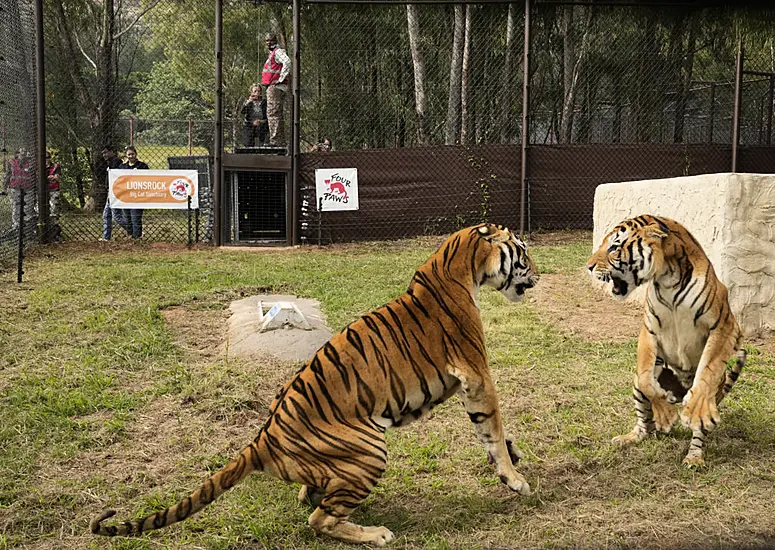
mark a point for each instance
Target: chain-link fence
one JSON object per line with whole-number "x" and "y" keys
{"x": 426, "y": 100}
{"x": 615, "y": 93}
{"x": 18, "y": 198}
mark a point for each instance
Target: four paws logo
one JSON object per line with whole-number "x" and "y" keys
{"x": 180, "y": 189}
{"x": 336, "y": 188}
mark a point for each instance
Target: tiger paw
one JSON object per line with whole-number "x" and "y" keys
{"x": 379, "y": 536}
{"x": 700, "y": 411}
{"x": 515, "y": 482}
{"x": 694, "y": 462}
{"x": 628, "y": 439}
{"x": 665, "y": 415}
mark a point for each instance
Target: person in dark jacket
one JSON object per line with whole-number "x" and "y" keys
{"x": 133, "y": 216}
{"x": 254, "y": 113}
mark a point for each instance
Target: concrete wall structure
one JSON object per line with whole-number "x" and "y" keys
{"x": 733, "y": 218}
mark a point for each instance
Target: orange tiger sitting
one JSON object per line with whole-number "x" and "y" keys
{"x": 326, "y": 428}
{"x": 688, "y": 330}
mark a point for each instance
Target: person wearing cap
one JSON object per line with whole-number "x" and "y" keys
{"x": 275, "y": 77}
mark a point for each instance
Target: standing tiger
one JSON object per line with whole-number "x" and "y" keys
{"x": 688, "y": 330}
{"x": 326, "y": 427}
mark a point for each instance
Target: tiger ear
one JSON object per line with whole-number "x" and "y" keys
{"x": 494, "y": 233}
{"x": 654, "y": 231}
{"x": 487, "y": 231}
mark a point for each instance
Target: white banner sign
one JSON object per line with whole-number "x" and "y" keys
{"x": 167, "y": 189}
{"x": 337, "y": 187}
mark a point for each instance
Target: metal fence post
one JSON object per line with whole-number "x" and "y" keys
{"x": 736, "y": 112}
{"x": 296, "y": 130}
{"x": 44, "y": 224}
{"x": 768, "y": 137}
{"x": 525, "y": 119}
{"x": 5, "y": 147}
{"x": 20, "y": 229}
{"x": 217, "y": 204}
{"x": 712, "y": 110}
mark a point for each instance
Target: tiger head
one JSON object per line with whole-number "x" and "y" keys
{"x": 630, "y": 254}
{"x": 508, "y": 266}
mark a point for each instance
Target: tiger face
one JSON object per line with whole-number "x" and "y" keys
{"x": 628, "y": 256}
{"x": 509, "y": 267}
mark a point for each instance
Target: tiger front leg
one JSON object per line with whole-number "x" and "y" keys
{"x": 652, "y": 409}
{"x": 481, "y": 404}
{"x": 700, "y": 412}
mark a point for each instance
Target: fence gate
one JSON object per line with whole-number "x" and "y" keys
{"x": 257, "y": 197}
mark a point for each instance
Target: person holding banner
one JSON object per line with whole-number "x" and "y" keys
{"x": 133, "y": 217}
{"x": 113, "y": 162}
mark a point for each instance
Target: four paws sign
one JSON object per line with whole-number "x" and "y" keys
{"x": 337, "y": 188}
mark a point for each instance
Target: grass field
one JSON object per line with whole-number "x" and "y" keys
{"x": 116, "y": 390}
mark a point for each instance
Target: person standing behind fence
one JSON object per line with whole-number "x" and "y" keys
{"x": 275, "y": 78}
{"x": 108, "y": 213}
{"x": 133, "y": 216}
{"x": 21, "y": 179}
{"x": 322, "y": 147}
{"x": 53, "y": 174}
{"x": 254, "y": 111}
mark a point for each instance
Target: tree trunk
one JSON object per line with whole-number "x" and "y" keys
{"x": 506, "y": 88}
{"x": 419, "y": 73}
{"x": 568, "y": 60}
{"x": 465, "y": 116}
{"x": 645, "y": 102}
{"x": 572, "y": 70}
{"x": 400, "y": 130}
{"x": 685, "y": 83}
{"x": 617, "y": 122}
{"x": 106, "y": 105}
{"x": 78, "y": 177}
{"x": 455, "y": 71}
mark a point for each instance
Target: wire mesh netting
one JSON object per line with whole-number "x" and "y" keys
{"x": 424, "y": 89}
{"x": 425, "y": 100}
{"x": 18, "y": 198}
{"x": 616, "y": 93}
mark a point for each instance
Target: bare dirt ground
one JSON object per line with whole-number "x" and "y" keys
{"x": 574, "y": 305}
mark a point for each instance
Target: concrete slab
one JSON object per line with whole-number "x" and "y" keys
{"x": 290, "y": 344}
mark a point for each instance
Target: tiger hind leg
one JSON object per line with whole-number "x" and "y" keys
{"x": 311, "y": 495}
{"x": 331, "y": 516}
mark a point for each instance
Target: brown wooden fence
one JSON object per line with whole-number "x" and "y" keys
{"x": 433, "y": 190}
